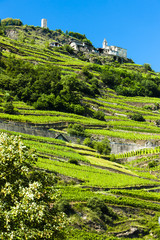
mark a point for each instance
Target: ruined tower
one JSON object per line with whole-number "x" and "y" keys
{"x": 105, "y": 44}
{"x": 44, "y": 23}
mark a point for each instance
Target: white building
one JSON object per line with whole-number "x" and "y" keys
{"x": 44, "y": 23}
{"x": 76, "y": 45}
{"x": 105, "y": 44}
{"x": 81, "y": 46}
{"x": 113, "y": 50}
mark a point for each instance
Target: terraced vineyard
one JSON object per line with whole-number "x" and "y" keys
{"x": 127, "y": 179}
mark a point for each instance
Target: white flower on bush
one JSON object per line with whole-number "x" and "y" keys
{"x": 27, "y": 196}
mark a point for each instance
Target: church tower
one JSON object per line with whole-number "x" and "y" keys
{"x": 105, "y": 44}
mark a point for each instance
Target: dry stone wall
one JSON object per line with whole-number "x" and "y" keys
{"x": 44, "y": 131}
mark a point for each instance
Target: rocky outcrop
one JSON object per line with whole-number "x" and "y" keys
{"x": 133, "y": 232}
{"x": 12, "y": 33}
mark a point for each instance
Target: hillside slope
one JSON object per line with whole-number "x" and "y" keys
{"x": 45, "y": 92}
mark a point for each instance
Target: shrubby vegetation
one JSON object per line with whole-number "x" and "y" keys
{"x": 102, "y": 147}
{"x": 45, "y": 87}
{"x": 77, "y": 35}
{"x": 73, "y": 161}
{"x": 137, "y": 117}
{"x": 77, "y": 130}
{"x": 27, "y": 196}
{"x": 130, "y": 83}
{"x": 8, "y": 108}
{"x": 153, "y": 164}
{"x": 8, "y": 105}
{"x": 147, "y": 67}
{"x": 68, "y": 48}
{"x": 1, "y": 34}
{"x": 64, "y": 206}
{"x": 99, "y": 115}
{"x": 81, "y": 37}
{"x": 100, "y": 208}
{"x": 11, "y": 21}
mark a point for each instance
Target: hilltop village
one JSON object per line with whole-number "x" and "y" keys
{"x": 77, "y": 44}
{"x": 87, "y": 47}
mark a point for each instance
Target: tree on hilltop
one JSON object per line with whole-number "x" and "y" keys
{"x": 11, "y": 21}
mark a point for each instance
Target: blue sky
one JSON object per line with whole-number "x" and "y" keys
{"x": 131, "y": 24}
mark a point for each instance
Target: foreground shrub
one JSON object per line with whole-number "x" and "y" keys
{"x": 27, "y": 197}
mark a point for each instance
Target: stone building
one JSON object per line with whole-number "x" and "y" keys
{"x": 44, "y": 23}
{"x": 81, "y": 46}
{"x": 105, "y": 50}
{"x": 112, "y": 50}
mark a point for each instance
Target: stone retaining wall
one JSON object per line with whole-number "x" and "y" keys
{"x": 43, "y": 130}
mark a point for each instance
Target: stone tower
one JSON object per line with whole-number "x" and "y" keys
{"x": 44, "y": 23}
{"x": 105, "y": 44}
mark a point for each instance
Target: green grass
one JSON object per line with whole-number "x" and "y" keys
{"x": 140, "y": 194}
{"x": 44, "y": 118}
{"x": 75, "y": 193}
{"x": 55, "y": 150}
{"x": 134, "y": 198}
{"x": 119, "y": 105}
{"x": 124, "y": 135}
{"x": 109, "y": 164}
{"x": 93, "y": 176}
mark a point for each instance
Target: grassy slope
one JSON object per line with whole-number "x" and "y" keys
{"x": 94, "y": 170}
